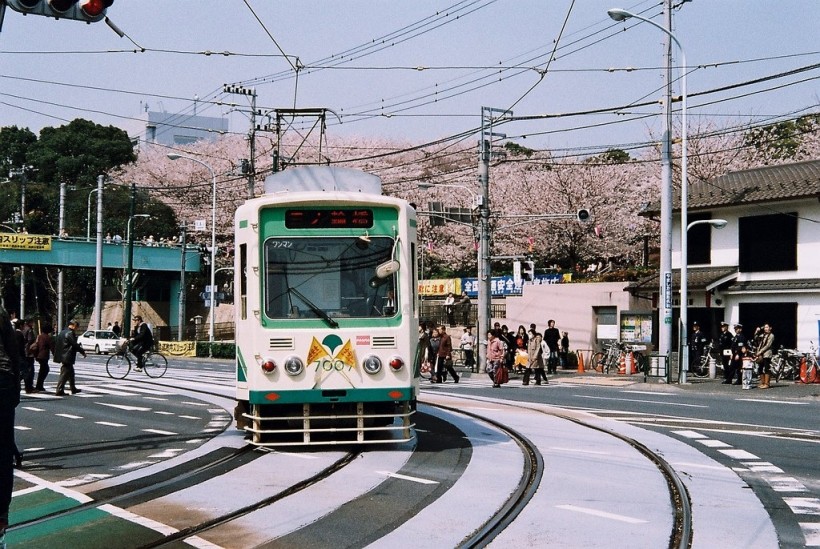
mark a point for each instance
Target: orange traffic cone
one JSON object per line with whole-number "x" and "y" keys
{"x": 622, "y": 365}
{"x": 580, "y": 356}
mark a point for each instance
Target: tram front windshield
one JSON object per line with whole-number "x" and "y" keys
{"x": 328, "y": 277}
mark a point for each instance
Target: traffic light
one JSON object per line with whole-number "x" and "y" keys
{"x": 89, "y": 11}
{"x": 583, "y": 215}
{"x": 529, "y": 270}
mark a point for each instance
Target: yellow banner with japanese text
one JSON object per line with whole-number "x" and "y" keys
{"x": 22, "y": 241}
{"x": 178, "y": 348}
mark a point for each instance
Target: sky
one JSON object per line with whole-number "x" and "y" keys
{"x": 415, "y": 72}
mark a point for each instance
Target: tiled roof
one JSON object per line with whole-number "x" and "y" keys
{"x": 697, "y": 279}
{"x": 767, "y": 184}
{"x": 800, "y": 284}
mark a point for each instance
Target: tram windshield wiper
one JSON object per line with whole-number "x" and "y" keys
{"x": 321, "y": 313}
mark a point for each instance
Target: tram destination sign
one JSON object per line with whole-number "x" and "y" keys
{"x": 337, "y": 218}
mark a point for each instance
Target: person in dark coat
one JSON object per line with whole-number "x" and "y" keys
{"x": 724, "y": 344}
{"x": 9, "y": 398}
{"x": 65, "y": 352}
{"x": 141, "y": 340}
{"x": 738, "y": 342}
{"x": 45, "y": 347}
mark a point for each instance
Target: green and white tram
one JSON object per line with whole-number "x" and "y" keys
{"x": 327, "y": 321}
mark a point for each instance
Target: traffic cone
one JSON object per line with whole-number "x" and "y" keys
{"x": 622, "y": 365}
{"x": 580, "y": 356}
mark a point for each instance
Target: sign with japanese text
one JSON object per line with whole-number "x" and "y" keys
{"x": 17, "y": 241}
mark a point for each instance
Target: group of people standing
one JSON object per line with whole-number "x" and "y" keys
{"x": 528, "y": 351}
{"x": 437, "y": 349}
{"x": 743, "y": 358}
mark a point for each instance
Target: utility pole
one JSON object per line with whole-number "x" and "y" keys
{"x": 60, "y": 270}
{"x": 250, "y": 92}
{"x": 665, "y": 282}
{"x": 485, "y": 277}
{"x": 126, "y": 321}
{"x": 184, "y": 240}
{"x": 99, "y": 263}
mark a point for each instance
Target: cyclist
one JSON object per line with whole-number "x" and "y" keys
{"x": 141, "y": 340}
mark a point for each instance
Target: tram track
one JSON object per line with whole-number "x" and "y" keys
{"x": 680, "y": 536}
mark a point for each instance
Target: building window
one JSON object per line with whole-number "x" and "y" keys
{"x": 699, "y": 240}
{"x": 767, "y": 243}
{"x": 781, "y": 316}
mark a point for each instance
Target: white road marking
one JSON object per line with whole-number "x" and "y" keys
{"x": 804, "y": 506}
{"x": 85, "y": 479}
{"x": 69, "y": 416}
{"x": 644, "y": 401}
{"x": 603, "y": 514}
{"x": 32, "y": 408}
{"x": 157, "y": 398}
{"x": 690, "y": 434}
{"x": 763, "y": 467}
{"x": 135, "y": 465}
{"x": 768, "y": 401}
{"x": 29, "y": 490}
{"x": 125, "y": 407}
{"x": 54, "y": 487}
{"x": 22, "y": 428}
{"x": 163, "y": 413}
{"x": 712, "y": 443}
{"x": 169, "y": 453}
{"x": 136, "y": 519}
{"x": 158, "y": 432}
{"x": 653, "y": 393}
{"x": 405, "y": 477}
{"x": 188, "y": 417}
{"x": 811, "y": 533}
{"x": 110, "y": 424}
{"x": 738, "y": 454}
{"x": 785, "y": 484}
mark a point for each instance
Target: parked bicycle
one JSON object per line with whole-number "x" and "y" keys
{"x": 786, "y": 364}
{"x": 118, "y": 365}
{"x": 700, "y": 368}
{"x": 810, "y": 373}
{"x": 609, "y": 360}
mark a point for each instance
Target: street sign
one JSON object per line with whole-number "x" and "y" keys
{"x": 200, "y": 225}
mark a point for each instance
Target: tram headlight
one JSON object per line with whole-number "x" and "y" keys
{"x": 372, "y": 364}
{"x": 294, "y": 365}
{"x": 396, "y": 363}
{"x": 268, "y": 365}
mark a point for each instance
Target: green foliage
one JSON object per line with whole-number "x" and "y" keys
{"x": 782, "y": 140}
{"x": 220, "y": 350}
{"x": 78, "y": 152}
{"x": 14, "y": 144}
{"x": 611, "y": 156}
{"x": 517, "y": 150}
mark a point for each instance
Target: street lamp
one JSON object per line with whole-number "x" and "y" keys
{"x": 684, "y": 294}
{"x": 126, "y": 321}
{"x": 175, "y": 156}
{"x": 88, "y": 216}
{"x": 617, "y": 14}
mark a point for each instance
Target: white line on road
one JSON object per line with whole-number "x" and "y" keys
{"x": 158, "y": 432}
{"x": 738, "y": 454}
{"x": 767, "y": 401}
{"x": 126, "y": 408}
{"x": 603, "y": 514}
{"x": 69, "y": 416}
{"x": 405, "y": 477}
{"x": 644, "y": 401}
{"x": 110, "y": 424}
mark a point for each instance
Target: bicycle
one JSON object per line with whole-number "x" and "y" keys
{"x": 118, "y": 365}
{"x": 809, "y": 373}
{"x": 786, "y": 364}
{"x": 701, "y": 367}
{"x": 603, "y": 362}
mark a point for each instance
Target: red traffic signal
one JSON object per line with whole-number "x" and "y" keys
{"x": 89, "y": 11}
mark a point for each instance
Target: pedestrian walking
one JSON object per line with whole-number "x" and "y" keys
{"x": 444, "y": 363}
{"x": 65, "y": 352}
{"x": 44, "y": 347}
{"x": 495, "y": 356}
{"x": 536, "y": 352}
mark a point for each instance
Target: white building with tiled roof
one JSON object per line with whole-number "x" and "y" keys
{"x": 764, "y": 266}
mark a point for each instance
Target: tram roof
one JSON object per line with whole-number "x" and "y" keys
{"x": 323, "y": 179}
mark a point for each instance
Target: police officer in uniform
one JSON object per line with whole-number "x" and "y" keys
{"x": 697, "y": 343}
{"x": 724, "y": 344}
{"x": 740, "y": 340}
